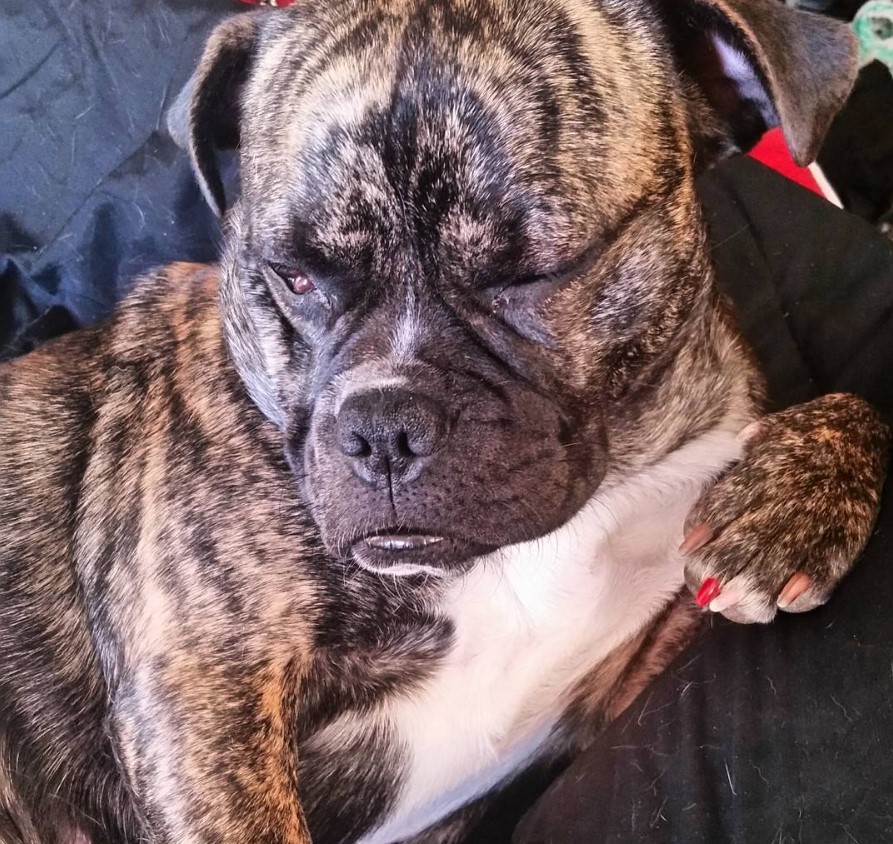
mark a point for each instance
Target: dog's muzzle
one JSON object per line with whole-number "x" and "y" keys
{"x": 389, "y": 437}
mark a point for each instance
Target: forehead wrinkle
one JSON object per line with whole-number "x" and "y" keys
{"x": 484, "y": 70}
{"x": 584, "y": 182}
{"x": 319, "y": 95}
{"x": 639, "y": 94}
{"x": 299, "y": 82}
{"x": 560, "y": 206}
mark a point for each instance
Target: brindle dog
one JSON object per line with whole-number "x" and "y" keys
{"x": 336, "y": 538}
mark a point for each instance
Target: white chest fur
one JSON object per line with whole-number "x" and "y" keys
{"x": 530, "y": 622}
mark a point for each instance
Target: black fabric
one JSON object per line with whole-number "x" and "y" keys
{"x": 756, "y": 734}
{"x": 813, "y": 285}
{"x": 857, "y": 155}
{"x": 777, "y": 733}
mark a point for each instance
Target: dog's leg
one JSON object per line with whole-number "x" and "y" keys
{"x": 207, "y": 746}
{"x": 781, "y": 528}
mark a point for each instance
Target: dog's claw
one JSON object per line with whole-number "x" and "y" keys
{"x": 697, "y": 538}
{"x": 793, "y": 589}
{"x": 750, "y": 432}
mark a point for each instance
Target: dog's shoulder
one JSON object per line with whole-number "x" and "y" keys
{"x": 53, "y": 401}
{"x": 49, "y": 395}
{"x": 173, "y": 307}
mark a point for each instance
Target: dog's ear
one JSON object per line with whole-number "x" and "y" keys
{"x": 751, "y": 65}
{"x": 206, "y": 115}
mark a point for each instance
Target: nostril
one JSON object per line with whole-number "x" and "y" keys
{"x": 414, "y": 444}
{"x": 404, "y": 449}
{"x": 355, "y": 445}
{"x": 388, "y": 432}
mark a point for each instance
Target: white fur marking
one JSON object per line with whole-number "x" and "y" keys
{"x": 530, "y": 622}
{"x": 406, "y": 331}
{"x": 369, "y": 376}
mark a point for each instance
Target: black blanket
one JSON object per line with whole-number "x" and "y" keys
{"x": 757, "y": 734}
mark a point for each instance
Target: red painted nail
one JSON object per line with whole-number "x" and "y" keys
{"x": 710, "y": 588}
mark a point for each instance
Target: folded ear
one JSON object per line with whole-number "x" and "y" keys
{"x": 206, "y": 115}
{"x": 751, "y": 65}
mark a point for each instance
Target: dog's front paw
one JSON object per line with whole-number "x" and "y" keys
{"x": 785, "y": 524}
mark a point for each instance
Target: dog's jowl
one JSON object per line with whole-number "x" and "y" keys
{"x": 333, "y": 540}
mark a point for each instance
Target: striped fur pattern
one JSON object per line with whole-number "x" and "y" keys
{"x": 466, "y": 304}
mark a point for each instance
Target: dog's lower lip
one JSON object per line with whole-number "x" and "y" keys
{"x": 402, "y": 541}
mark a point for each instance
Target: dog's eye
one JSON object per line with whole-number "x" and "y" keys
{"x": 297, "y": 281}
{"x": 518, "y": 307}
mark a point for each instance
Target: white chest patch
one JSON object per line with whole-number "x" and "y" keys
{"x": 530, "y": 622}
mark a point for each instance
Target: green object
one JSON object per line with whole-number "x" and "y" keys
{"x": 874, "y": 29}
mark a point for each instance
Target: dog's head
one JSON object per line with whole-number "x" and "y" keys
{"x": 468, "y": 236}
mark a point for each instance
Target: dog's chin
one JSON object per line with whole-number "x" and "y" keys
{"x": 408, "y": 554}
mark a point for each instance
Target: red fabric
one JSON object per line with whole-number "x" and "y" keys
{"x": 773, "y": 151}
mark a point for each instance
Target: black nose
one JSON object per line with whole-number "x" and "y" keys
{"x": 389, "y": 433}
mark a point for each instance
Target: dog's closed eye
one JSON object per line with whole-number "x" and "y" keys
{"x": 518, "y": 306}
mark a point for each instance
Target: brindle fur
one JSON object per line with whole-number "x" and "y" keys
{"x": 497, "y": 202}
